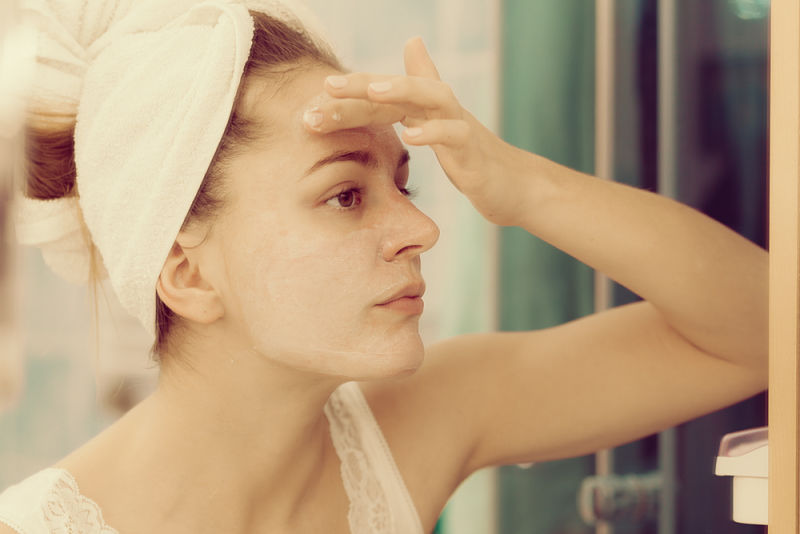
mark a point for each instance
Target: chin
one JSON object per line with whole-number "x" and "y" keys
{"x": 411, "y": 364}
{"x": 397, "y": 364}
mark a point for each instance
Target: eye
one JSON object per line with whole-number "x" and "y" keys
{"x": 348, "y": 199}
{"x": 409, "y": 191}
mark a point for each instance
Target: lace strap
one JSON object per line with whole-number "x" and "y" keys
{"x": 20, "y": 504}
{"x": 50, "y": 502}
{"x": 66, "y": 510}
{"x": 379, "y": 500}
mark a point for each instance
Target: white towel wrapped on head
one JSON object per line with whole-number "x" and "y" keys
{"x": 152, "y": 84}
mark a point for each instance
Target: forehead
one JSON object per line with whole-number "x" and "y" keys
{"x": 277, "y": 104}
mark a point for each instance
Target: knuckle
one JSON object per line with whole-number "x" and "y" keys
{"x": 358, "y": 78}
{"x": 402, "y": 86}
{"x": 446, "y": 92}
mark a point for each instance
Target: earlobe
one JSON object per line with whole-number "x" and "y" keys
{"x": 183, "y": 288}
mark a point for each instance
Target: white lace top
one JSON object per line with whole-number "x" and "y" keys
{"x": 50, "y": 502}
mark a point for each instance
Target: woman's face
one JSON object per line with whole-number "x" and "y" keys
{"x": 317, "y": 233}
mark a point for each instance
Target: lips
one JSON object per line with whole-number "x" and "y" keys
{"x": 412, "y": 290}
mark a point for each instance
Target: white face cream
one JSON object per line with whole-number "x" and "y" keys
{"x": 317, "y": 234}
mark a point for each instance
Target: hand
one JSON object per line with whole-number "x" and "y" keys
{"x": 473, "y": 157}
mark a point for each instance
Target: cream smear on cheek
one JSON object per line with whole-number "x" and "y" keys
{"x": 311, "y": 304}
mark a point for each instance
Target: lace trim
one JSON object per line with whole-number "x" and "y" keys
{"x": 13, "y": 524}
{"x": 398, "y": 489}
{"x": 66, "y": 511}
{"x": 369, "y": 511}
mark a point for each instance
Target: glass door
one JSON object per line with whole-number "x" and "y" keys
{"x": 686, "y": 114}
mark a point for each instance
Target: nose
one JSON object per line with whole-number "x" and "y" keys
{"x": 409, "y": 232}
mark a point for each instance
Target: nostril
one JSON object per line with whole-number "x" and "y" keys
{"x": 412, "y": 248}
{"x": 402, "y": 252}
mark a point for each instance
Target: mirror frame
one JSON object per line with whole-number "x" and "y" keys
{"x": 784, "y": 236}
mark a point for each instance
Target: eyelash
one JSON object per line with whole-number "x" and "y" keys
{"x": 409, "y": 192}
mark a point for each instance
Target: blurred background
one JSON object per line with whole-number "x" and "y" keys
{"x": 669, "y": 95}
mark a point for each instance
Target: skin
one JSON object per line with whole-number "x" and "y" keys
{"x": 237, "y": 431}
{"x": 307, "y": 254}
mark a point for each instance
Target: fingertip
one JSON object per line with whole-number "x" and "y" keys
{"x": 413, "y": 136}
{"x": 413, "y": 46}
{"x": 380, "y": 88}
{"x": 336, "y": 81}
{"x": 418, "y": 60}
{"x": 416, "y": 41}
{"x": 413, "y": 132}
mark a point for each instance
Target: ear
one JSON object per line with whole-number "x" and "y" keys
{"x": 183, "y": 288}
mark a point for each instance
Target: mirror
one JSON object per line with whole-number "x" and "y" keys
{"x": 528, "y": 70}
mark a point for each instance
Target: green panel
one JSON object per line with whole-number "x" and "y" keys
{"x": 548, "y": 79}
{"x": 548, "y": 108}
{"x": 542, "y": 499}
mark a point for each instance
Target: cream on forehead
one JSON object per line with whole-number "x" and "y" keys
{"x": 279, "y": 105}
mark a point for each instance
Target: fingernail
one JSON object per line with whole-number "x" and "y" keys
{"x": 337, "y": 82}
{"x": 414, "y": 132}
{"x": 380, "y": 87}
{"x": 313, "y": 117}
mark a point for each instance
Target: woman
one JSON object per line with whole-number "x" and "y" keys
{"x": 297, "y": 272}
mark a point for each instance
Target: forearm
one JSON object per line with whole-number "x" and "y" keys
{"x": 709, "y": 283}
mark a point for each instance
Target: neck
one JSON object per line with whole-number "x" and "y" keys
{"x": 234, "y": 433}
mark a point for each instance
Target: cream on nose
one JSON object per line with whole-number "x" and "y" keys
{"x": 409, "y": 234}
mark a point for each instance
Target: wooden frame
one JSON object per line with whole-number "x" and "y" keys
{"x": 604, "y": 168}
{"x": 784, "y": 486}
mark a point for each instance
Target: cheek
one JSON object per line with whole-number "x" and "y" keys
{"x": 311, "y": 292}
{"x": 309, "y": 269}
{"x": 305, "y": 296}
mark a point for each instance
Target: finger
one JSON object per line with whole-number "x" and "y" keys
{"x": 417, "y": 60}
{"x": 449, "y": 133}
{"x": 353, "y": 85}
{"x": 344, "y": 114}
{"x": 422, "y": 93}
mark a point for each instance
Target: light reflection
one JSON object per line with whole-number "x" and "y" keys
{"x": 750, "y": 9}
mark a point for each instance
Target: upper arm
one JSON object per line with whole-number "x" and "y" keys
{"x": 500, "y": 398}
{"x": 594, "y": 383}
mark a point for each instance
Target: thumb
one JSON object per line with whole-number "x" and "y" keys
{"x": 418, "y": 61}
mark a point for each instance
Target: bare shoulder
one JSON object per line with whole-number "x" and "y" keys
{"x": 5, "y": 529}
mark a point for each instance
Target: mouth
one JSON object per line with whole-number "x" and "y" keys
{"x": 407, "y": 299}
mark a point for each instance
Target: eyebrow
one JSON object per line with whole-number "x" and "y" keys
{"x": 362, "y": 157}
